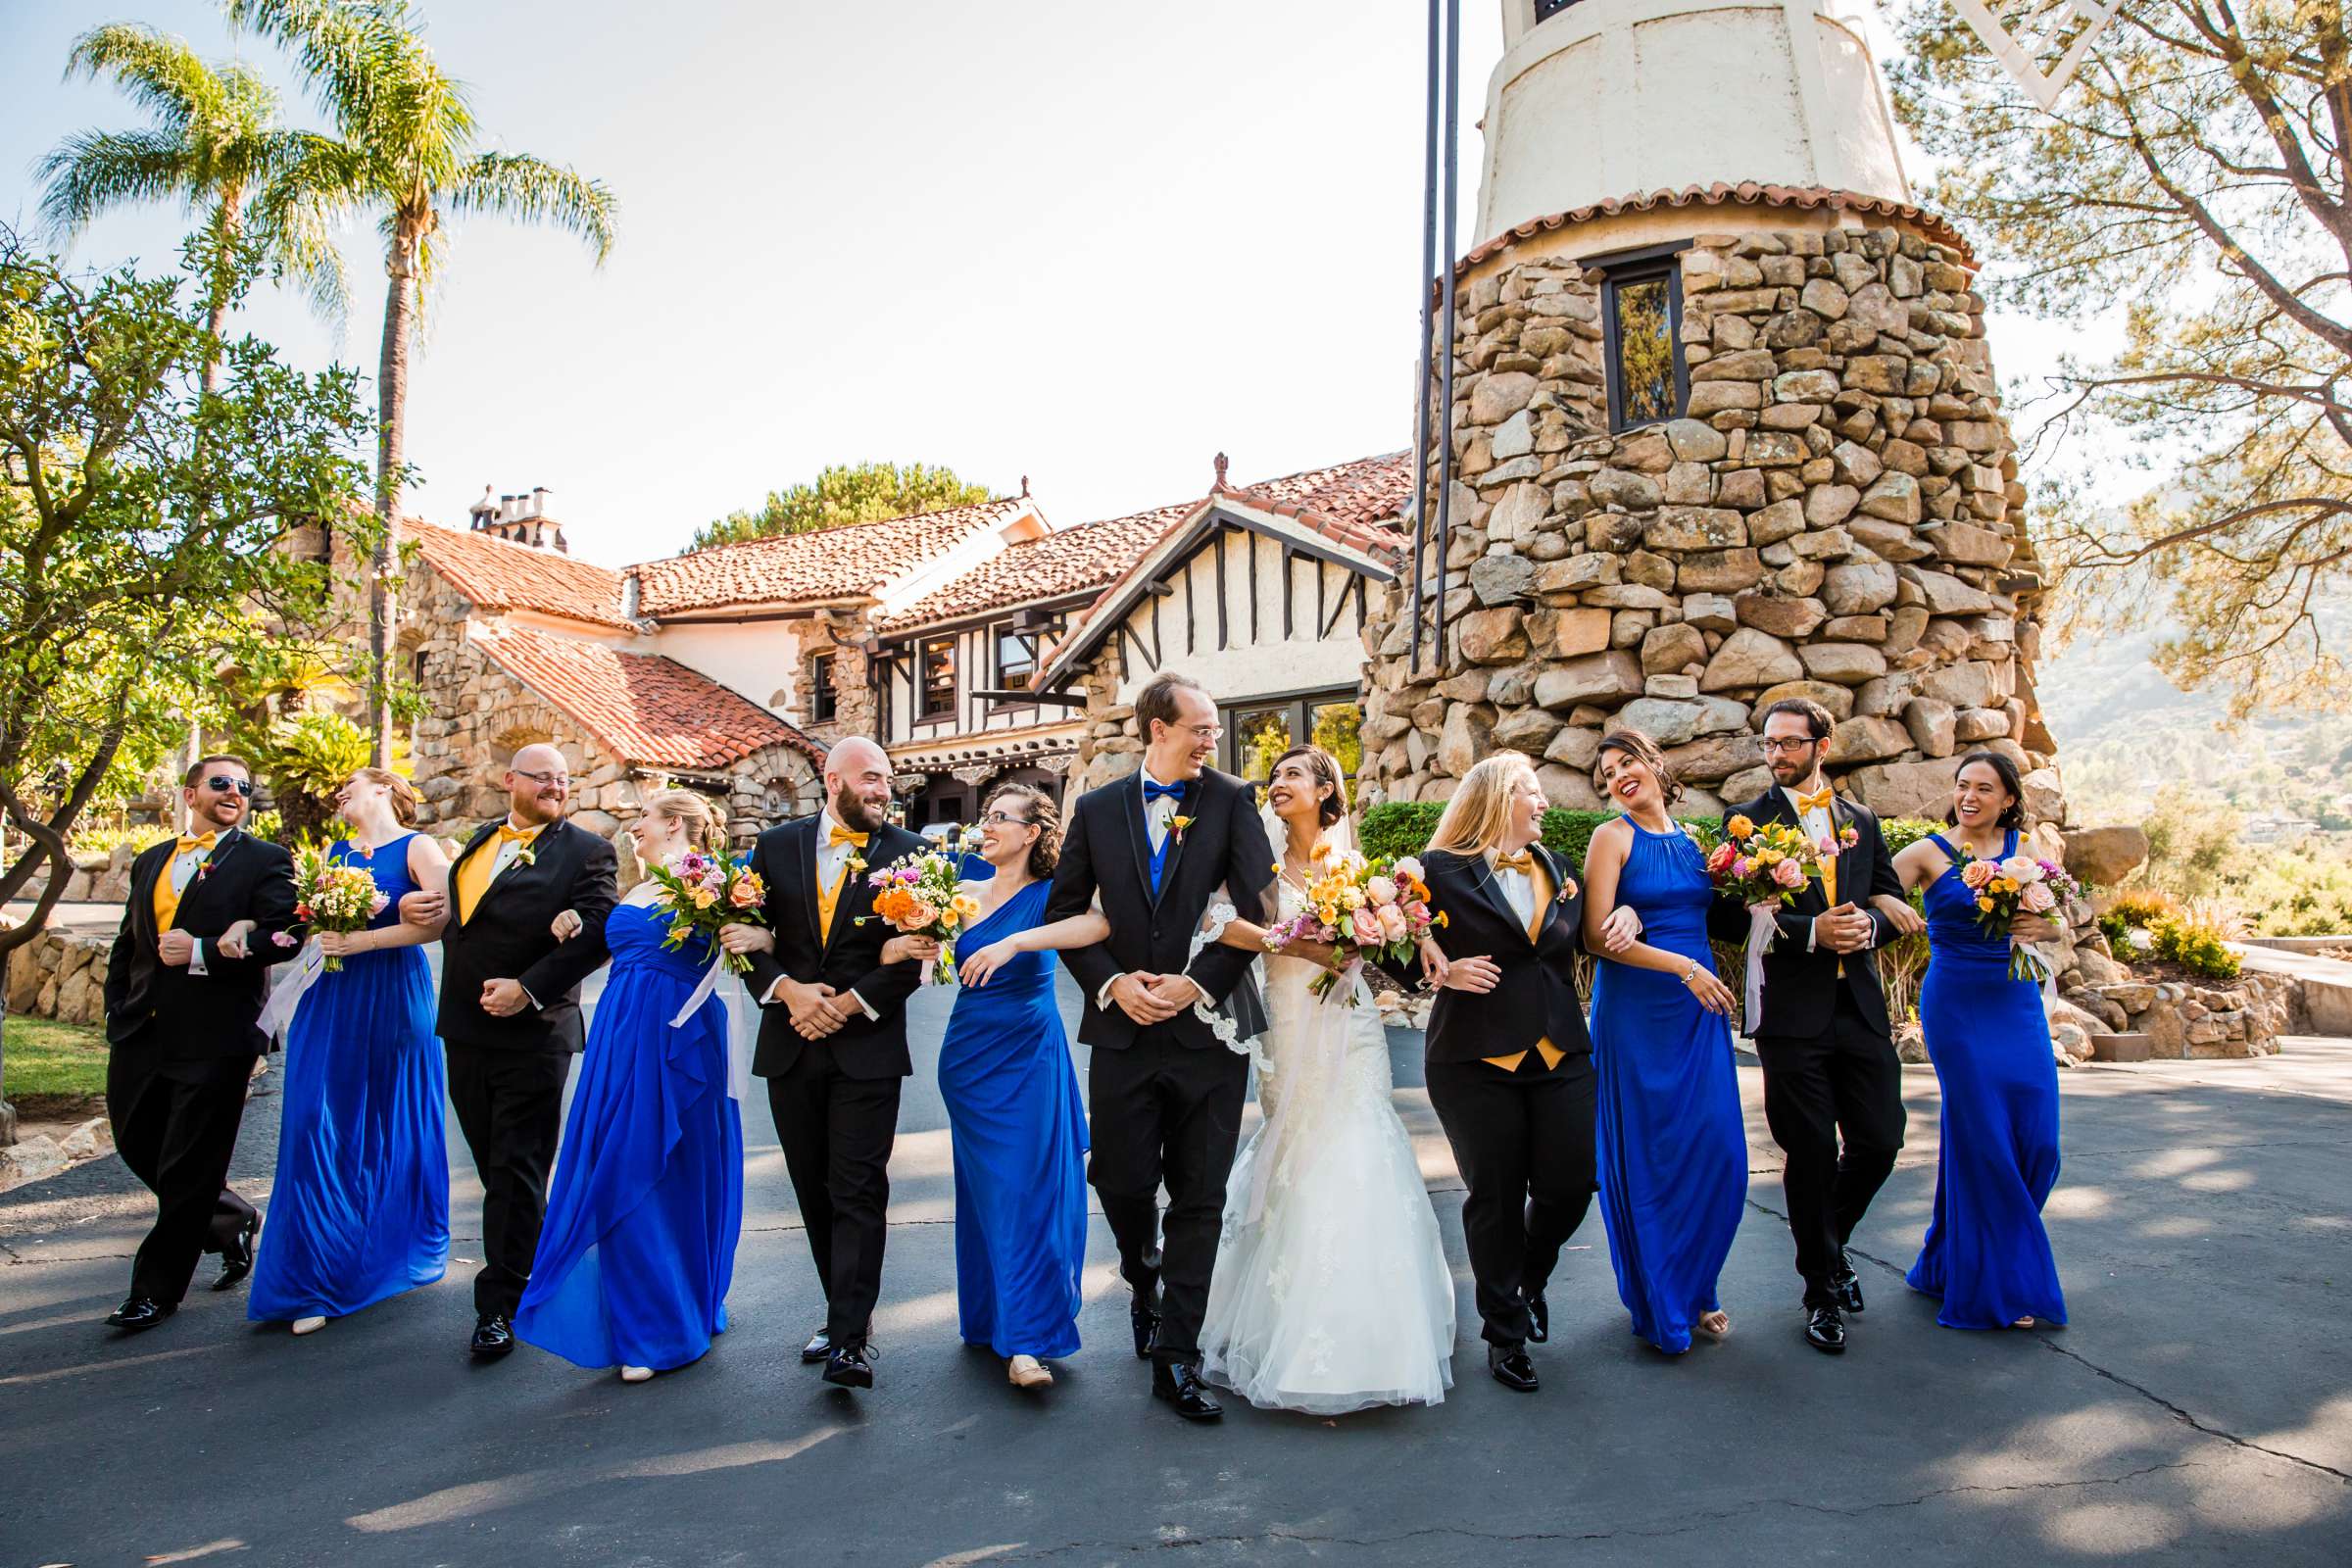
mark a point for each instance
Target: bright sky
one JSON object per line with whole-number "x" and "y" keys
{"x": 1092, "y": 244}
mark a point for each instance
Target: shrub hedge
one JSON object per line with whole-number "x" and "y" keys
{"x": 1404, "y": 827}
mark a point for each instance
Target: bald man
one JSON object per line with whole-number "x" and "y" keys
{"x": 509, "y": 1013}
{"x": 833, "y": 1035}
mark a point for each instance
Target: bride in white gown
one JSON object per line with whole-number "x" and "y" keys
{"x": 1331, "y": 1292}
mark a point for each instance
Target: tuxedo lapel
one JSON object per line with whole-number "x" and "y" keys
{"x": 1489, "y": 888}
{"x": 812, "y": 907}
{"x": 200, "y": 882}
{"x": 1139, "y": 832}
{"x": 521, "y": 873}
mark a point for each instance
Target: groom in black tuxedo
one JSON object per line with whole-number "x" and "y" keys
{"x": 1828, "y": 1060}
{"x": 833, "y": 1035}
{"x": 184, "y": 984}
{"x": 510, "y": 1015}
{"x": 1164, "y": 1095}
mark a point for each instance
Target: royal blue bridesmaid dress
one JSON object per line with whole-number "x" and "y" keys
{"x": 1987, "y": 1254}
{"x": 645, "y": 1202}
{"x": 359, "y": 1208}
{"x": 1019, "y": 1126}
{"x": 1672, "y": 1147}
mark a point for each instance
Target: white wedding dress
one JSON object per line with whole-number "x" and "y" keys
{"x": 1331, "y": 1292}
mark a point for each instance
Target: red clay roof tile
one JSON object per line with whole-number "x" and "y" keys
{"x": 844, "y": 562}
{"x": 1746, "y": 192}
{"x": 1052, "y": 567}
{"x": 498, "y": 575}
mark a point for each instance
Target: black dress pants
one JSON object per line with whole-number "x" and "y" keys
{"x": 837, "y": 1133}
{"x": 510, "y": 1104}
{"x": 1845, "y": 1082}
{"x": 176, "y": 1126}
{"x": 1164, "y": 1113}
{"x": 1523, "y": 1142}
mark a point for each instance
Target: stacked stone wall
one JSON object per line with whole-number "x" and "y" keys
{"x": 1837, "y": 515}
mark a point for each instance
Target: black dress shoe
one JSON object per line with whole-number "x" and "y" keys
{"x": 493, "y": 1336}
{"x": 850, "y": 1366}
{"x": 140, "y": 1313}
{"x": 1824, "y": 1331}
{"x": 1511, "y": 1367}
{"x": 1847, "y": 1287}
{"x": 236, "y": 1258}
{"x": 1539, "y": 1320}
{"x": 1146, "y": 1323}
{"x": 818, "y": 1349}
{"x": 1180, "y": 1386}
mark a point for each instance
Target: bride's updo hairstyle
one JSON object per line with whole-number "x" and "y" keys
{"x": 1327, "y": 770}
{"x": 705, "y": 828}
{"x": 1481, "y": 809}
{"x": 1046, "y": 851}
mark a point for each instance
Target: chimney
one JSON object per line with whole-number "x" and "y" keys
{"x": 538, "y": 501}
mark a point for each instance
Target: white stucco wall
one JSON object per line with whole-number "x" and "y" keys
{"x": 1250, "y": 666}
{"x": 758, "y": 659}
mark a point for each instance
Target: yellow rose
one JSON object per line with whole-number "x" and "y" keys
{"x": 1984, "y": 905}
{"x": 703, "y": 898}
{"x": 965, "y": 907}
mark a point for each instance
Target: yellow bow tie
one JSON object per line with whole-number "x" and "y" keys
{"x": 204, "y": 842}
{"x": 1819, "y": 801}
{"x": 508, "y": 832}
{"x": 1523, "y": 862}
{"x": 842, "y": 834}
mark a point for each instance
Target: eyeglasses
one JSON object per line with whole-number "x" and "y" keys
{"x": 1785, "y": 745}
{"x": 1000, "y": 820}
{"x": 558, "y": 780}
{"x": 222, "y": 784}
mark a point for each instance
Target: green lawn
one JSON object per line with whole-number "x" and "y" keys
{"x": 46, "y": 1059}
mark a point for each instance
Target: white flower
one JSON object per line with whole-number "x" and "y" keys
{"x": 1410, "y": 866}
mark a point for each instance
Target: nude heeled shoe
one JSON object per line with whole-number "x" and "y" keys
{"x": 309, "y": 1325}
{"x": 636, "y": 1374}
{"x": 1028, "y": 1372}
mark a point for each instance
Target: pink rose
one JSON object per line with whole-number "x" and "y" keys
{"x": 1828, "y": 848}
{"x": 1363, "y": 926}
{"x": 2038, "y": 899}
{"x": 1392, "y": 923}
{"x": 1978, "y": 873}
{"x": 1381, "y": 890}
{"x": 743, "y": 894}
{"x": 1788, "y": 874}
{"x": 378, "y": 905}
{"x": 1722, "y": 857}
{"x": 1742, "y": 866}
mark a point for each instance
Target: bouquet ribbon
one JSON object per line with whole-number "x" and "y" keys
{"x": 1763, "y": 924}
{"x": 702, "y": 992}
{"x": 278, "y": 1013}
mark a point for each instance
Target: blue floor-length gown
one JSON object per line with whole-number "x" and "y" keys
{"x": 1672, "y": 1147}
{"x": 645, "y": 1202}
{"x": 1018, "y": 1124}
{"x": 359, "y": 1208}
{"x": 1986, "y": 1253}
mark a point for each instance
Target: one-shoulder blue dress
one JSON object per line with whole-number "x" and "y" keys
{"x": 646, "y": 1203}
{"x": 1986, "y": 1253}
{"x": 1672, "y": 1147}
{"x": 359, "y": 1209}
{"x": 1018, "y": 1125}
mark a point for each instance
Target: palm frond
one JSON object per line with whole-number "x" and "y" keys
{"x": 355, "y": 55}
{"x": 519, "y": 187}
{"x": 156, "y": 69}
{"x": 93, "y": 171}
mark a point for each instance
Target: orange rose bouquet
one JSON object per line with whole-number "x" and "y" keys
{"x": 920, "y": 896}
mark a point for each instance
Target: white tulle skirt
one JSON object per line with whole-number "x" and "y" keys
{"x": 1331, "y": 1292}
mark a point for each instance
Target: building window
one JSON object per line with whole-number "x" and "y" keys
{"x": 1546, "y": 10}
{"x": 1016, "y": 660}
{"x": 1641, "y": 325}
{"x": 1256, "y": 734}
{"x": 936, "y": 679}
{"x": 825, "y": 703}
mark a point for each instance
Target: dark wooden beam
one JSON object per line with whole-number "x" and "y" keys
{"x": 1288, "y": 625}
{"x": 1219, "y": 547}
{"x": 1250, "y": 540}
{"x": 1055, "y": 698}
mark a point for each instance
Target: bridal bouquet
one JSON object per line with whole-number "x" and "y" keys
{"x": 1361, "y": 907}
{"x": 1771, "y": 864}
{"x": 331, "y": 894}
{"x": 2019, "y": 884}
{"x": 918, "y": 896}
{"x": 702, "y": 893}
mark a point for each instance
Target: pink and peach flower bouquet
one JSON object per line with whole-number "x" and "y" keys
{"x": 920, "y": 896}
{"x": 1359, "y": 907}
{"x": 1770, "y": 864}
{"x": 331, "y": 894}
{"x": 703, "y": 892}
{"x": 2021, "y": 884}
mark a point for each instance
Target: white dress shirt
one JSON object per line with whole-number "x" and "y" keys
{"x": 1819, "y": 823}
{"x": 1519, "y": 892}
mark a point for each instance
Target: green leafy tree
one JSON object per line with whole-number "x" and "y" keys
{"x": 306, "y": 759}
{"x": 2198, "y": 168}
{"x": 858, "y": 492}
{"x": 140, "y": 520}
{"x": 406, "y": 146}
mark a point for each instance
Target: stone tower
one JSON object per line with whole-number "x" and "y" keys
{"x": 1725, "y": 429}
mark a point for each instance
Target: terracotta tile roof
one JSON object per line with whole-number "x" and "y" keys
{"x": 844, "y": 562}
{"x": 498, "y": 575}
{"x": 1055, "y": 567}
{"x": 643, "y": 708}
{"x": 1746, "y": 192}
{"x": 1357, "y": 503}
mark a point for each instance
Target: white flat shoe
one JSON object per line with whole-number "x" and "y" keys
{"x": 636, "y": 1374}
{"x": 309, "y": 1325}
{"x": 1028, "y": 1372}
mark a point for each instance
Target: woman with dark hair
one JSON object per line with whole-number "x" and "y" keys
{"x": 1671, "y": 1142}
{"x": 360, "y": 1210}
{"x": 1987, "y": 1254}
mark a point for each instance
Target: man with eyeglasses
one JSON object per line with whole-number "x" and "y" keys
{"x": 185, "y": 986}
{"x": 1829, "y": 1068}
{"x": 509, "y": 1013}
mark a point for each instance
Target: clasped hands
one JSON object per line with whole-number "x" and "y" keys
{"x": 1845, "y": 929}
{"x": 1150, "y": 999}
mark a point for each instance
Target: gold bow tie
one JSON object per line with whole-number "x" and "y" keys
{"x": 1819, "y": 801}
{"x": 205, "y": 842}
{"x": 842, "y": 834}
{"x": 1524, "y": 863}
{"x": 508, "y": 832}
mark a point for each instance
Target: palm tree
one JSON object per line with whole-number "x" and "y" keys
{"x": 405, "y": 145}
{"x": 214, "y": 145}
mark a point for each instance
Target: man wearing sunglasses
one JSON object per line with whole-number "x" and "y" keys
{"x": 184, "y": 985}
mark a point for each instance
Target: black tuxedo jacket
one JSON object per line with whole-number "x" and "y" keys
{"x": 1800, "y": 988}
{"x": 201, "y": 1016}
{"x": 785, "y": 857}
{"x": 1106, "y": 853}
{"x": 1535, "y": 998}
{"x": 506, "y": 938}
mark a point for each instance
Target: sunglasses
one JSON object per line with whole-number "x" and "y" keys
{"x": 222, "y": 784}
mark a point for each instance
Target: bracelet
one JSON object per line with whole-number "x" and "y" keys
{"x": 1692, "y": 972}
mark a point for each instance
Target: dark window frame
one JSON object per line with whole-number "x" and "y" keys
{"x": 1650, "y": 263}
{"x": 1298, "y": 706}
{"x": 1546, "y": 10}
{"x": 824, "y": 703}
{"x": 998, "y": 635}
{"x": 924, "y": 710}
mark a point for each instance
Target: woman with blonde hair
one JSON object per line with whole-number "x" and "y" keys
{"x": 359, "y": 1209}
{"x": 1509, "y": 1066}
{"x": 647, "y": 1202}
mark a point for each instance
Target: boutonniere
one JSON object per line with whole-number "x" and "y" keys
{"x": 855, "y": 863}
{"x": 1567, "y": 890}
{"x": 1177, "y": 824}
{"x": 526, "y": 856}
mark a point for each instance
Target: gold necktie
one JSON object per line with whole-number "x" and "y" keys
{"x": 1539, "y": 884}
{"x": 473, "y": 877}
{"x": 166, "y": 896}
